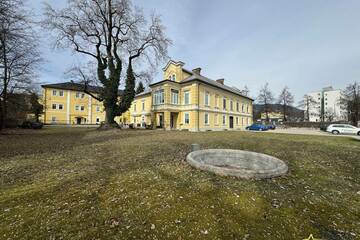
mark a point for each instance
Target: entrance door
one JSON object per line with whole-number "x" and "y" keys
{"x": 231, "y": 121}
{"x": 161, "y": 121}
{"x": 173, "y": 119}
{"x": 78, "y": 120}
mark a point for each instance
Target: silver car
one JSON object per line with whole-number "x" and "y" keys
{"x": 343, "y": 129}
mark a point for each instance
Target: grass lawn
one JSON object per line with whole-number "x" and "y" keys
{"x": 78, "y": 183}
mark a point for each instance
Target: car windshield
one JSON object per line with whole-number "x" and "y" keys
{"x": 349, "y": 126}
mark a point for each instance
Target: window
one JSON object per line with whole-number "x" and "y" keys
{"x": 224, "y": 120}
{"x": 54, "y": 92}
{"x": 186, "y": 97}
{"x": 172, "y": 77}
{"x": 61, "y": 93}
{"x": 247, "y": 108}
{"x": 97, "y": 109}
{"x": 186, "y": 118}
{"x": 174, "y": 96}
{"x": 216, "y": 119}
{"x": 54, "y": 106}
{"x": 79, "y": 95}
{"x": 242, "y": 107}
{"x": 224, "y": 103}
{"x": 76, "y": 108}
{"x": 143, "y": 106}
{"x": 237, "y": 120}
{"x": 97, "y": 120}
{"x": 206, "y": 118}
{"x": 159, "y": 96}
{"x": 217, "y": 101}
{"x": 82, "y": 108}
{"x": 231, "y": 105}
{"x": 207, "y": 98}
{"x": 61, "y": 107}
{"x": 242, "y": 121}
{"x": 134, "y": 106}
{"x": 53, "y": 119}
{"x": 237, "y": 107}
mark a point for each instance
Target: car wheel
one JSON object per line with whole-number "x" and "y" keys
{"x": 336, "y": 132}
{"x": 358, "y": 133}
{"x": 260, "y": 129}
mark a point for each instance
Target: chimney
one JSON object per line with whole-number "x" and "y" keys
{"x": 221, "y": 81}
{"x": 197, "y": 70}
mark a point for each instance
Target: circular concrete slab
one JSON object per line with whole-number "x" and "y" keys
{"x": 237, "y": 163}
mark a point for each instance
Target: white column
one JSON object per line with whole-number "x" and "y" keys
{"x": 90, "y": 111}
{"x": 68, "y": 107}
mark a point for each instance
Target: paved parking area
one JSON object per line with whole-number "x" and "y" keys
{"x": 307, "y": 131}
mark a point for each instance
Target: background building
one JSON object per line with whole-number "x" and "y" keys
{"x": 327, "y": 105}
{"x": 66, "y": 103}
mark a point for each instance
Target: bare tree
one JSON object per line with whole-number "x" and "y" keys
{"x": 350, "y": 101}
{"x": 307, "y": 104}
{"x": 286, "y": 99}
{"x": 114, "y": 34}
{"x": 266, "y": 98}
{"x": 19, "y": 55}
{"x": 329, "y": 115}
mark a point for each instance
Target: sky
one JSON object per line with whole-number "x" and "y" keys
{"x": 305, "y": 45}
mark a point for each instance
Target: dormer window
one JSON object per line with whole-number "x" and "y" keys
{"x": 172, "y": 77}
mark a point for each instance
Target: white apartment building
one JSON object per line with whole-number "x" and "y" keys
{"x": 327, "y": 105}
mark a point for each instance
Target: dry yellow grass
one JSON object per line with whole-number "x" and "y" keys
{"x": 69, "y": 183}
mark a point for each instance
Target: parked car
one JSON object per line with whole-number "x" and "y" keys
{"x": 31, "y": 125}
{"x": 343, "y": 129}
{"x": 271, "y": 127}
{"x": 257, "y": 127}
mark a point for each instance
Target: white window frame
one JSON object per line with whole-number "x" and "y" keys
{"x": 224, "y": 120}
{"x": 77, "y": 107}
{"x": 206, "y": 119}
{"x": 62, "y": 106}
{"x": 174, "y": 96}
{"x": 52, "y": 106}
{"x": 231, "y": 105}
{"x": 224, "y": 101}
{"x": 134, "y": 106}
{"x": 159, "y": 97}
{"x": 97, "y": 108}
{"x": 143, "y": 105}
{"x": 97, "y": 120}
{"x": 237, "y": 120}
{"x": 207, "y": 99}
{"x": 82, "y": 108}
{"x": 54, "y": 92}
{"x": 61, "y": 93}
{"x": 186, "y": 117}
{"x": 217, "y": 97}
{"x": 237, "y": 106}
{"x": 187, "y": 92}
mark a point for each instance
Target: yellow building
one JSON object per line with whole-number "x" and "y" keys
{"x": 187, "y": 100}
{"x": 66, "y": 103}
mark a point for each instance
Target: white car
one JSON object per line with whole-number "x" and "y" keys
{"x": 343, "y": 129}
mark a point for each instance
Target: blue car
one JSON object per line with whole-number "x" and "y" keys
{"x": 257, "y": 127}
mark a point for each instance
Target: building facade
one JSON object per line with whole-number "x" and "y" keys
{"x": 327, "y": 105}
{"x": 66, "y": 103}
{"x": 186, "y": 100}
